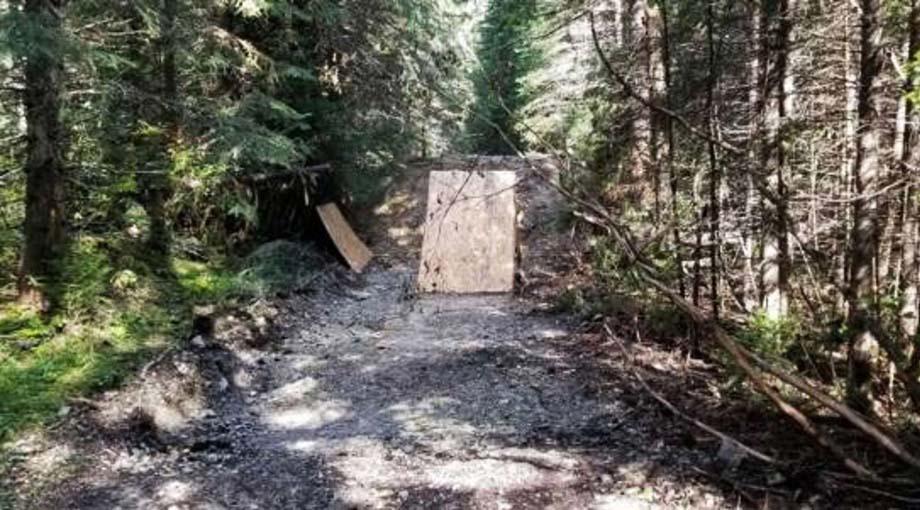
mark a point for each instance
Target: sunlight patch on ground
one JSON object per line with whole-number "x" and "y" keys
{"x": 367, "y": 369}
{"x": 374, "y": 474}
{"x": 353, "y": 358}
{"x": 293, "y": 392}
{"x": 135, "y": 462}
{"x": 306, "y": 446}
{"x": 168, "y": 495}
{"x": 305, "y": 362}
{"x": 310, "y": 416}
{"x": 493, "y": 474}
{"x": 174, "y": 492}
{"x": 619, "y": 502}
{"x": 427, "y": 417}
{"x": 48, "y": 461}
{"x": 172, "y": 417}
{"x": 400, "y": 202}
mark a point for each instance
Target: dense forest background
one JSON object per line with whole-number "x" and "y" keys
{"x": 754, "y": 163}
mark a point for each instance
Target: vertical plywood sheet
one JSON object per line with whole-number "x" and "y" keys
{"x": 355, "y": 252}
{"x": 469, "y": 238}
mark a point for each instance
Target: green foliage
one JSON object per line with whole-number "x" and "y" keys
{"x": 92, "y": 341}
{"x": 771, "y": 337}
{"x": 573, "y": 301}
{"x": 83, "y": 277}
{"x": 506, "y": 56}
{"x": 119, "y": 304}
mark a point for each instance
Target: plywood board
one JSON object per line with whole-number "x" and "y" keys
{"x": 355, "y": 252}
{"x": 469, "y": 237}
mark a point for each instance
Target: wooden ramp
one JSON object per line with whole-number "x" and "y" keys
{"x": 355, "y": 252}
{"x": 469, "y": 238}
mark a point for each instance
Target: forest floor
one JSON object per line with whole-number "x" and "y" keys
{"x": 357, "y": 393}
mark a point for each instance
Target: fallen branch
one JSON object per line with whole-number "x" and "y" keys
{"x": 844, "y": 411}
{"x": 297, "y": 172}
{"x": 876, "y": 492}
{"x": 684, "y": 416}
{"x": 732, "y": 348}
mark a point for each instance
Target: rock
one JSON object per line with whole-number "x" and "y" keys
{"x": 199, "y": 342}
{"x": 730, "y": 455}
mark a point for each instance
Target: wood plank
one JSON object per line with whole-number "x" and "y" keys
{"x": 470, "y": 235}
{"x": 355, "y": 252}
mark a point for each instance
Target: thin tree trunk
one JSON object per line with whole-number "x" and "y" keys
{"x": 749, "y": 245}
{"x": 156, "y": 186}
{"x": 639, "y": 159}
{"x": 659, "y": 93}
{"x": 44, "y": 221}
{"x": 863, "y": 343}
{"x": 669, "y": 146}
{"x": 776, "y": 27}
{"x": 714, "y": 174}
{"x": 848, "y": 166}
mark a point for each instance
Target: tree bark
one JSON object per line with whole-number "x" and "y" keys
{"x": 660, "y": 146}
{"x": 863, "y": 344}
{"x": 848, "y": 165}
{"x": 639, "y": 158}
{"x": 43, "y": 227}
{"x": 715, "y": 178}
{"x": 778, "y": 86}
{"x": 669, "y": 146}
{"x": 156, "y": 186}
{"x": 755, "y": 99}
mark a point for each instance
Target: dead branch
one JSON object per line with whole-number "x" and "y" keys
{"x": 296, "y": 172}
{"x": 844, "y": 411}
{"x": 731, "y": 346}
{"x": 682, "y": 415}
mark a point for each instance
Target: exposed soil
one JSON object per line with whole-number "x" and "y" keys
{"x": 364, "y": 395}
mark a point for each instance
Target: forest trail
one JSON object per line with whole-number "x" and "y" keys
{"x": 369, "y": 396}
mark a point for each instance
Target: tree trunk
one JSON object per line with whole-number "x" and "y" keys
{"x": 44, "y": 221}
{"x": 639, "y": 159}
{"x": 777, "y": 87}
{"x": 156, "y": 186}
{"x": 863, "y": 344}
{"x": 669, "y": 147}
{"x": 659, "y": 92}
{"x": 848, "y": 165}
{"x": 715, "y": 178}
{"x": 749, "y": 225}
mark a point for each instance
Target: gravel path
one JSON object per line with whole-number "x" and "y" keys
{"x": 376, "y": 399}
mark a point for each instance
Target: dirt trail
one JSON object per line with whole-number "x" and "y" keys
{"x": 371, "y": 397}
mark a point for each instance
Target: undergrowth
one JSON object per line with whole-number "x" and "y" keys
{"x": 117, "y": 305}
